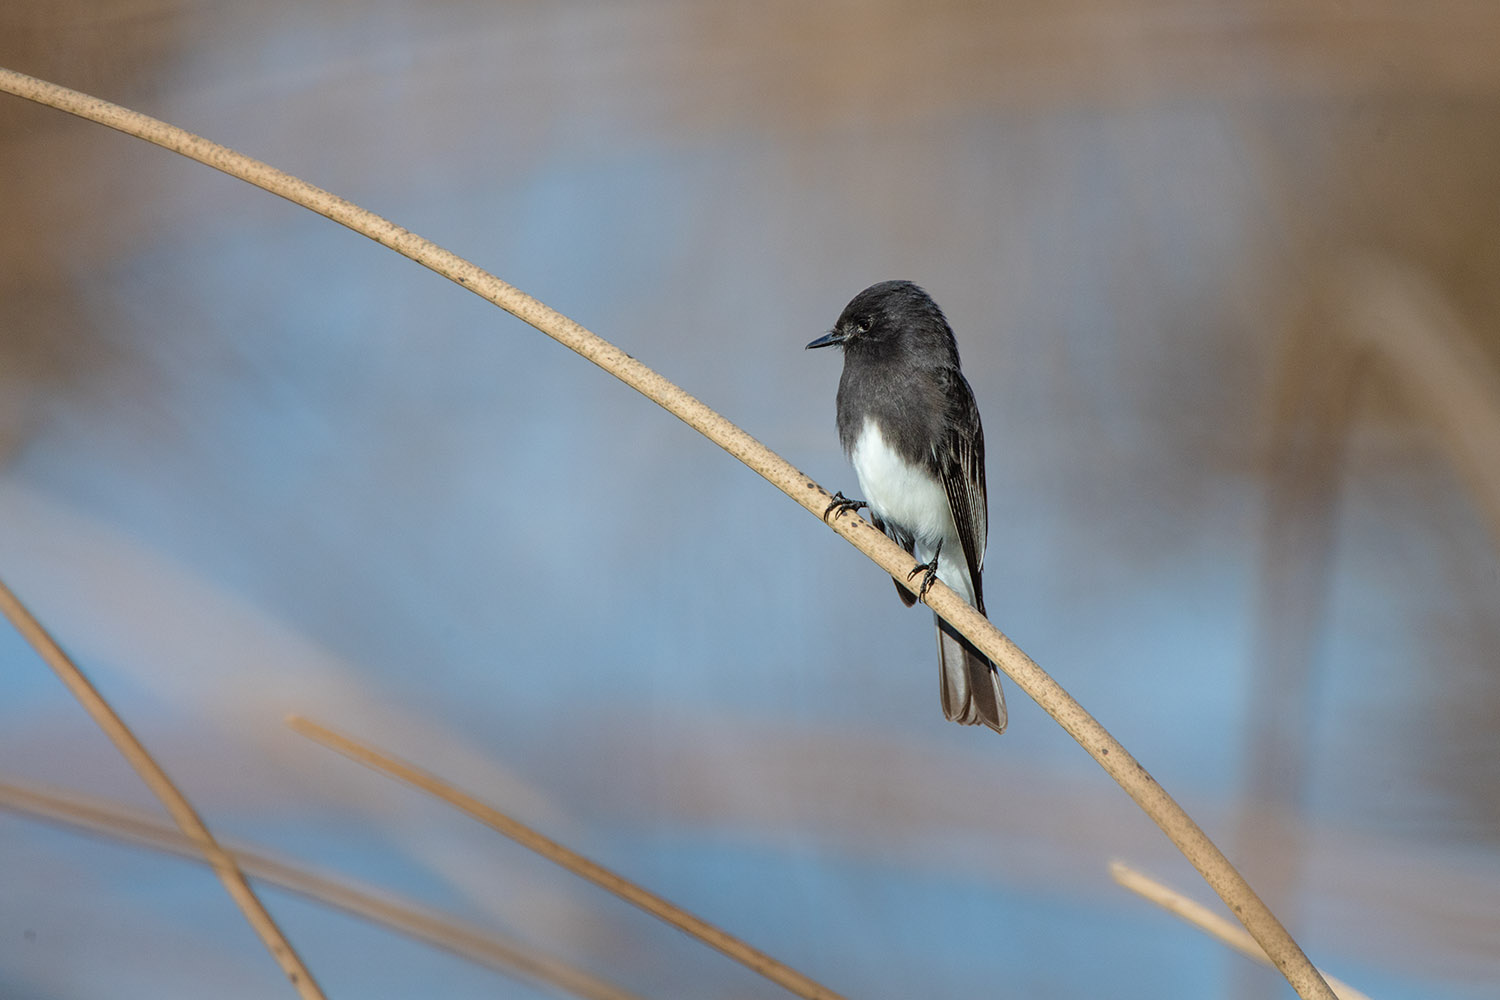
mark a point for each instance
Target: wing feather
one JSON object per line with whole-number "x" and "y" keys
{"x": 960, "y": 460}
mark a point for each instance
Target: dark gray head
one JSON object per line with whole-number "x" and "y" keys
{"x": 893, "y": 318}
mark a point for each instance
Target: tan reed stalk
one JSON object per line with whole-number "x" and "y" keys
{"x": 1028, "y": 676}
{"x": 755, "y": 960}
{"x": 464, "y": 940}
{"x": 1208, "y": 921}
{"x": 156, "y": 779}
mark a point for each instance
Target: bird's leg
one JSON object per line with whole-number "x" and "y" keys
{"x": 930, "y": 568}
{"x": 841, "y": 504}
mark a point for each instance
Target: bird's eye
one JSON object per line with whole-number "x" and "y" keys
{"x": 862, "y": 325}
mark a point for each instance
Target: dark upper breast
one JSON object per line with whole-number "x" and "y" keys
{"x": 909, "y": 403}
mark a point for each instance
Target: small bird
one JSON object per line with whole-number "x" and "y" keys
{"x": 908, "y": 422}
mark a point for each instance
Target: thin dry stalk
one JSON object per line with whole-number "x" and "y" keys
{"x": 156, "y": 779}
{"x": 464, "y": 940}
{"x": 752, "y": 958}
{"x": 1208, "y": 921}
{"x": 1028, "y": 676}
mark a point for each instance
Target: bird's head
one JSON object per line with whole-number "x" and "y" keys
{"x": 883, "y": 311}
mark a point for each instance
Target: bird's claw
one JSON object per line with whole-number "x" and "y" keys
{"x": 931, "y": 571}
{"x": 842, "y": 504}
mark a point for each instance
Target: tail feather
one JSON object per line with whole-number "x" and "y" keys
{"x": 970, "y": 682}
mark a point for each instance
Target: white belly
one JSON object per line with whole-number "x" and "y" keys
{"x": 904, "y": 494}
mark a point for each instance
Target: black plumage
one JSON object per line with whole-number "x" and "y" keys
{"x": 908, "y": 421}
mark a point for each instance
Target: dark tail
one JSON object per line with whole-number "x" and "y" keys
{"x": 970, "y": 682}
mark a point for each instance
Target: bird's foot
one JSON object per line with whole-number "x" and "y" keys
{"x": 930, "y": 569}
{"x": 841, "y": 504}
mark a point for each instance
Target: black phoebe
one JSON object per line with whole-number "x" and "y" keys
{"x": 908, "y": 422}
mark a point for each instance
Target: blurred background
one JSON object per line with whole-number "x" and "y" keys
{"x": 1224, "y": 281}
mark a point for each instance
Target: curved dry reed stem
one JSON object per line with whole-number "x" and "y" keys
{"x": 1030, "y": 678}
{"x": 156, "y": 779}
{"x": 464, "y": 940}
{"x": 1208, "y": 921}
{"x": 752, "y": 958}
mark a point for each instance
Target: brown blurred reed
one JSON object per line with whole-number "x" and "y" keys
{"x": 752, "y": 958}
{"x": 465, "y": 940}
{"x": 182, "y": 812}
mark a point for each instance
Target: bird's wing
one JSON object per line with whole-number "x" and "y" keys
{"x": 960, "y": 461}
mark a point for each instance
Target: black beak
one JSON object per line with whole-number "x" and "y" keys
{"x": 827, "y": 340}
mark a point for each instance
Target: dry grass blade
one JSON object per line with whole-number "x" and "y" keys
{"x": 1208, "y": 921}
{"x": 463, "y": 940}
{"x": 753, "y": 959}
{"x": 1128, "y": 772}
{"x": 156, "y": 779}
